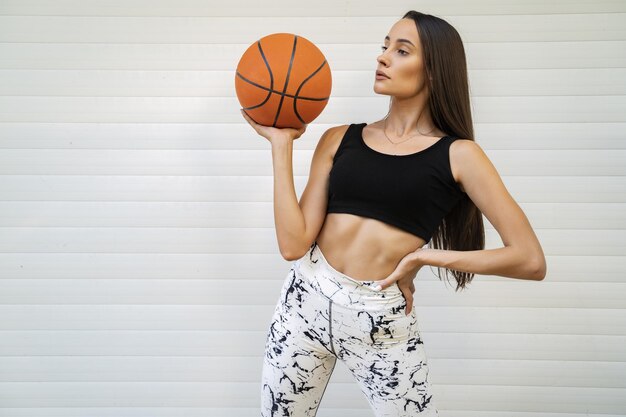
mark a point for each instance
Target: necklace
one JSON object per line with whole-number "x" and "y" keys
{"x": 396, "y": 143}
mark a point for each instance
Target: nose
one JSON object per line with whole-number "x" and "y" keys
{"x": 382, "y": 57}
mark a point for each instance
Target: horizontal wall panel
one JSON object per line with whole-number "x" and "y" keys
{"x": 338, "y": 395}
{"x": 528, "y": 320}
{"x": 161, "y": 188}
{"x": 218, "y": 29}
{"x": 249, "y": 240}
{"x": 234, "y": 411}
{"x": 592, "y": 374}
{"x": 240, "y": 136}
{"x": 530, "y": 109}
{"x": 288, "y": 8}
{"x": 441, "y": 344}
{"x": 248, "y": 412}
{"x": 152, "y": 394}
{"x": 122, "y": 162}
{"x": 256, "y": 215}
{"x": 182, "y": 291}
{"x": 212, "y": 83}
{"x": 514, "y": 55}
{"x": 581, "y": 267}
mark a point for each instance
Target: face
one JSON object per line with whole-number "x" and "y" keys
{"x": 401, "y": 61}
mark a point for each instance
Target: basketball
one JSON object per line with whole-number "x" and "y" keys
{"x": 283, "y": 80}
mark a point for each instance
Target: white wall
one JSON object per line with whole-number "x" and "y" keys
{"x": 138, "y": 260}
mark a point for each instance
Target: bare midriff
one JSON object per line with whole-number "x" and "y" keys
{"x": 363, "y": 248}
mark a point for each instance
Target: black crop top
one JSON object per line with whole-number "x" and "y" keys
{"x": 413, "y": 192}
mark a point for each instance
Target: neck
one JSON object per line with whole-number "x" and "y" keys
{"x": 409, "y": 117}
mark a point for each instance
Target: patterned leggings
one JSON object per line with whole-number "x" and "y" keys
{"x": 323, "y": 315}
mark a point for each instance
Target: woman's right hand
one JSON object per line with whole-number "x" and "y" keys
{"x": 273, "y": 134}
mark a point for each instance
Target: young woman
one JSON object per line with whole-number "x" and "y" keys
{"x": 376, "y": 195}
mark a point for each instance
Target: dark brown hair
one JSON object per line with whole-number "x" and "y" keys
{"x": 449, "y": 104}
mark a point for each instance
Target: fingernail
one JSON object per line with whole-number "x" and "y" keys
{"x": 378, "y": 288}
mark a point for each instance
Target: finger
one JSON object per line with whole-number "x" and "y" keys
{"x": 409, "y": 305}
{"x": 251, "y": 122}
{"x": 408, "y": 296}
{"x": 381, "y": 285}
{"x": 405, "y": 296}
{"x": 245, "y": 115}
{"x": 409, "y": 302}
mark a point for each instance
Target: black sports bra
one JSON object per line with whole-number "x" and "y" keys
{"x": 413, "y": 192}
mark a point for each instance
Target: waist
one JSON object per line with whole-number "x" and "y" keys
{"x": 343, "y": 289}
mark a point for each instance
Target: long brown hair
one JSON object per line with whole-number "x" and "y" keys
{"x": 449, "y": 104}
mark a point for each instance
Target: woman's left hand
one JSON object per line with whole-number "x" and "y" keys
{"x": 404, "y": 274}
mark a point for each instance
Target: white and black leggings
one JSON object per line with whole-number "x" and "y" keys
{"x": 323, "y": 315}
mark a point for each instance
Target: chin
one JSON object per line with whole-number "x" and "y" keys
{"x": 379, "y": 90}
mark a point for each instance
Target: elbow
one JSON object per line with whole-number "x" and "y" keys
{"x": 293, "y": 251}
{"x": 530, "y": 264}
{"x": 538, "y": 271}
{"x": 290, "y": 255}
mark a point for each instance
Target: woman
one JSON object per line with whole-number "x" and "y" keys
{"x": 376, "y": 195}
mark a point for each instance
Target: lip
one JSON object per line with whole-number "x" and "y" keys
{"x": 380, "y": 74}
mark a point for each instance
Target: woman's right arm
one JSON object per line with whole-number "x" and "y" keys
{"x": 297, "y": 223}
{"x": 288, "y": 217}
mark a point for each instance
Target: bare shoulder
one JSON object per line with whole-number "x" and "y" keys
{"x": 332, "y": 138}
{"x": 460, "y": 146}
{"x": 461, "y": 152}
{"x": 338, "y": 131}
{"x": 466, "y": 150}
{"x": 466, "y": 154}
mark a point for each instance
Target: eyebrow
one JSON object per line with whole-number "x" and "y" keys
{"x": 401, "y": 40}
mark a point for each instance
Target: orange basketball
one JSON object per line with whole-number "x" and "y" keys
{"x": 283, "y": 80}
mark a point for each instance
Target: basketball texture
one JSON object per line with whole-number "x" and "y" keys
{"x": 283, "y": 80}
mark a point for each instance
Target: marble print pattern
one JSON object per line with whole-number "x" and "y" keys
{"x": 323, "y": 315}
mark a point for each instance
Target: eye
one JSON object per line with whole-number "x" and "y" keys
{"x": 401, "y": 50}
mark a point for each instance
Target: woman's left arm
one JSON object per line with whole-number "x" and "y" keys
{"x": 522, "y": 256}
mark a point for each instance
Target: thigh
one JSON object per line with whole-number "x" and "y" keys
{"x": 385, "y": 354}
{"x": 297, "y": 364}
